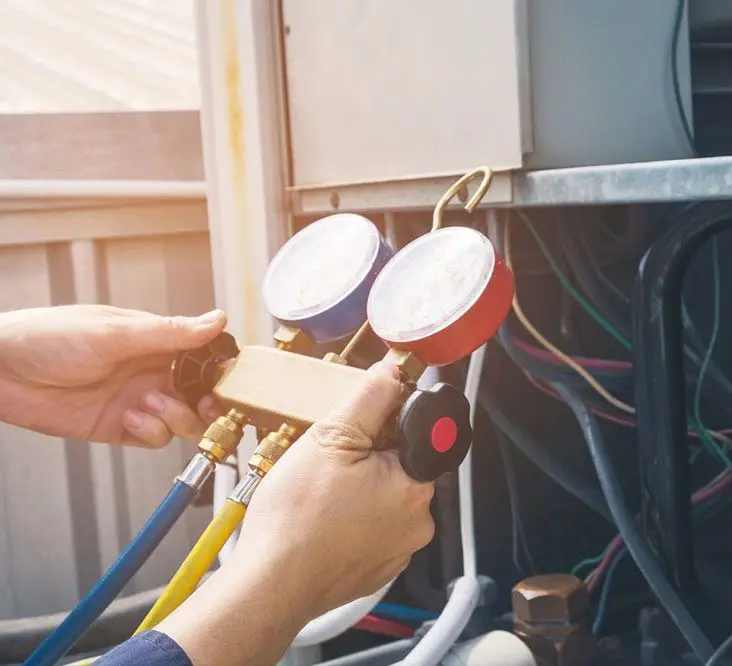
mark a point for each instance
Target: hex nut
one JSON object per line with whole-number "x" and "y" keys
{"x": 550, "y": 616}
{"x": 550, "y": 598}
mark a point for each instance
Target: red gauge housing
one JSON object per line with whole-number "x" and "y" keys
{"x": 442, "y": 296}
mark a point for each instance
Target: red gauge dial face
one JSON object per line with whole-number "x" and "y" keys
{"x": 441, "y": 296}
{"x": 430, "y": 284}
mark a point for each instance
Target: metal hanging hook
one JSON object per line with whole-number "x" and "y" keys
{"x": 484, "y": 172}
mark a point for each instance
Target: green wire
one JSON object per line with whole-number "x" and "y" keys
{"x": 693, "y": 419}
{"x": 697, "y": 422}
{"x": 604, "y": 323}
{"x": 685, "y": 123}
{"x": 586, "y": 563}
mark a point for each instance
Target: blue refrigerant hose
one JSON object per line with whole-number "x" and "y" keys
{"x": 115, "y": 579}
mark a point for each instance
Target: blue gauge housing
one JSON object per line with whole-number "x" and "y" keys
{"x": 320, "y": 279}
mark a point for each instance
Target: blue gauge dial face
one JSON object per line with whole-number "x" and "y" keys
{"x": 320, "y": 266}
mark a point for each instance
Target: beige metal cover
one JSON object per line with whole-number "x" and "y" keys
{"x": 438, "y": 79}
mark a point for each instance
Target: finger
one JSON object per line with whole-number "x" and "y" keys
{"x": 375, "y": 400}
{"x": 393, "y": 568}
{"x": 209, "y": 410}
{"x": 154, "y": 334}
{"x": 146, "y": 428}
{"x": 423, "y": 533}
{"x": 178, "y": 418}
{"x": 136, "y": 442}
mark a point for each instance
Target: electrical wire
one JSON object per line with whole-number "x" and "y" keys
{"x": 613, "y": 417}
{"x": 568, "y": 286}
{"x": 716, "y": 318}
{"x": 377, "y": 625}
{"x": 587, "y": 562}
{"x": 706, "y": 504}
{"x": 605, "y": 594}
{"x": 615, "y": 305}
{"x": 675, "y": 39}
{"x": 518, "y": 534}
{"x": 584, "y": 361}
{"x": 569, "y": 361}
{"x": 719, "y": 484}
{"x": 403, "y": 613}
{"x": 557, "y": 371}
{"x": 518, "y": 311}
{"x": 114, "y": 580}
{"x": 574, "y": 484}
{"x": 634, "y": 540}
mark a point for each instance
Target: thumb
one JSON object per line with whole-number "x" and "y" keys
{"x": 155, "y": 334}
{"x": 375, "y": 400}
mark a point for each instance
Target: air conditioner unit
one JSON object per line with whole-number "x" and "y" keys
{"x": 385, "y": 90}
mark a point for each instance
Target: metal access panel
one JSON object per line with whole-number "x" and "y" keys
{"x": 394, "y": 90}
{"x": 385, "y": 91}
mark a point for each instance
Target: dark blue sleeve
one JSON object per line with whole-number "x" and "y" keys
{"x": 148, "y": 647}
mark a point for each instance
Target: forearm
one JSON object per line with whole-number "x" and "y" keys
{"x": 239, "y": 618}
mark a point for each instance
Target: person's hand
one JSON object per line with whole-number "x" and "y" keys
{"x": 101, "y": 374}
{"x": 333, "y": 521}
{"x": 348, "y": 513}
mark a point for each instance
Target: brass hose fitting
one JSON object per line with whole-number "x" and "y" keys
{"x": 292, "y": 340}
{"x": 223, "y": 436}
{"x": 272, "y": 448}
{"x": 267, "y": 453}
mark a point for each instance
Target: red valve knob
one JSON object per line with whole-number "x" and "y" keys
{"x": 434, "y": 432}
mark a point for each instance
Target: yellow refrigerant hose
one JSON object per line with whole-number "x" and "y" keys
{"x": 193, "y": 569}
{"x": 197, "y": 564}
{"x": 220, "y": 529}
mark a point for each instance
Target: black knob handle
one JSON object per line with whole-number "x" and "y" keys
{"x": 194, "y": 371}
{"x": 434, "y": 432}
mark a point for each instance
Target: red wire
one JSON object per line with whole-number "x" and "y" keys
{"x": 378, "y": 625}
{"x": 608, "y": 416}
{"x": 584, "y": 361}
{"x": 720, "y": 483}
{"x": 601, "y": 413}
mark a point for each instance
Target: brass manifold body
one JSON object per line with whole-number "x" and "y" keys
{"x": 272, "y": 390}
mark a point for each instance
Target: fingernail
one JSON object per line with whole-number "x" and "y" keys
{"x": 385, "y": 368}
{"x": 208, "y": 407}
{"x": 210, "y": 318}
{"x": 154, "y": 402}
{"x": 133, "y": 419}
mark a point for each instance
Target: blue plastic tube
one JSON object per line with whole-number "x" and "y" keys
{"x": 115, "y": 579}
{"x": 403, "y": 613}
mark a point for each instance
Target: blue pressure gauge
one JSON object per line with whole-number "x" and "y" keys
{"x": 320, "y": 279}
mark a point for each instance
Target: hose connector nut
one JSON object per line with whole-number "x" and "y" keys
{"x": 272, "y": 448}
{"x": 223, "y": 436}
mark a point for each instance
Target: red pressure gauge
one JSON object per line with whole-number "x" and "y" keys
{"x": 442, "y": 296}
